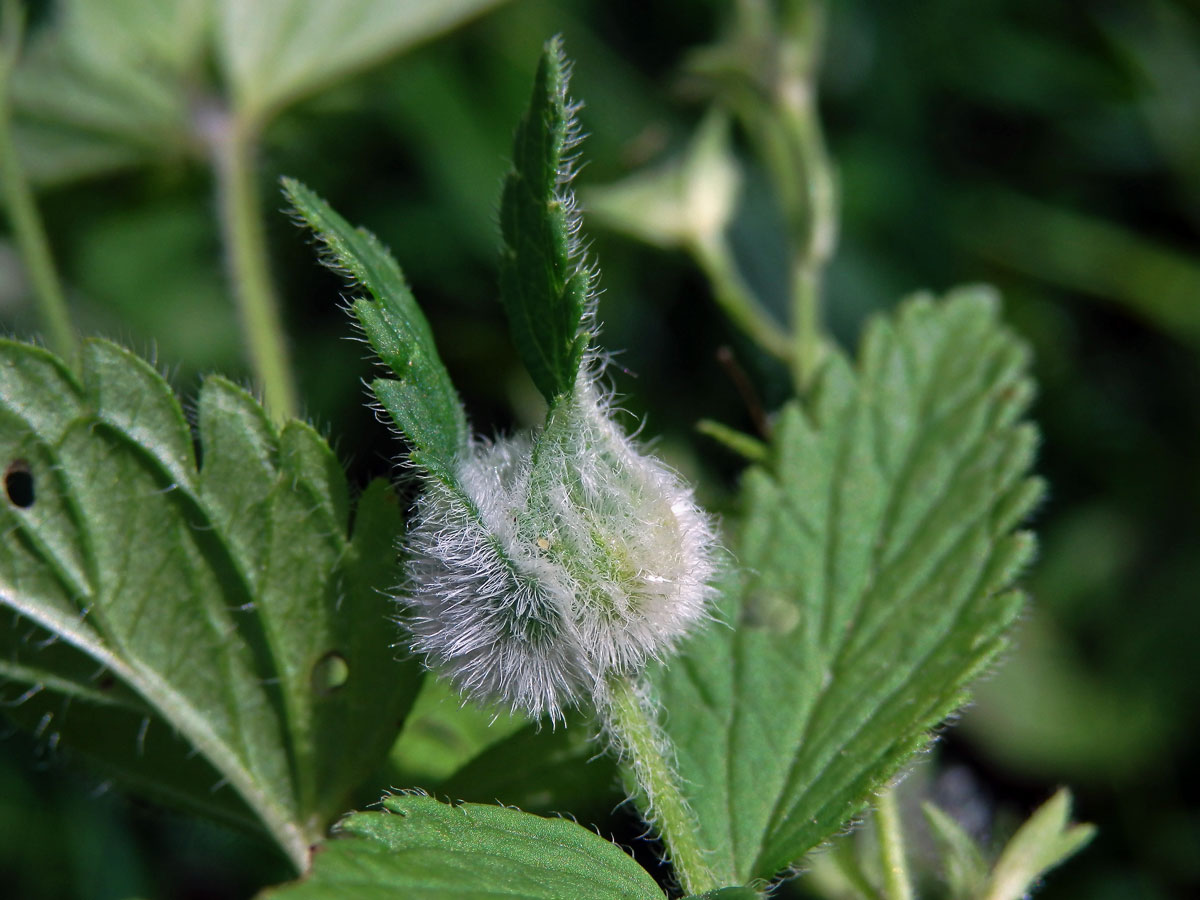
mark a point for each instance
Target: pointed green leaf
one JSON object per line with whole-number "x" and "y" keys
{"x": 544, "y": 285}
{"x": 963, "y": 866}
{"x": 421, "y": 400}
{"x": 277, "y": 51}
{"x": 875, "y": 557}
{"x": 1046, "y": 840}
{"x": 421, "y": 849}
{"x": 165, "y": 611}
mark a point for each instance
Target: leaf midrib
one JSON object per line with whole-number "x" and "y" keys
{"x": 896, "y": 490}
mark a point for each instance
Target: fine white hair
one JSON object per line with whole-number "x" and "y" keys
{"x": 555, "y": 561}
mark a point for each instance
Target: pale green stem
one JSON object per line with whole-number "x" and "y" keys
{"x": 645, "y": 749}
{"x": 234, "y": 147}
{"x": 814, "y": 245}
{"x": 737, "y": 300}
{"x": 23, "y": 214}
{"x": 897, "y": 884}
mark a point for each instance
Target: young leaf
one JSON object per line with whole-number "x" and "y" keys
{"x": 421, "y": 400}
{"x": 876, "y": 554}
{"x": 544, "y": 285}
{"x": 425, "y": 850}
{"x": 221, "y": 602}
{"x": 963, "y": 866}
{"x": 1046, "y": 840}
{"x": 277, "y": 51}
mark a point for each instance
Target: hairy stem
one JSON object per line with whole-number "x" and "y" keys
{"x": 897, "y": 885}
{"x": 645, "y": 750}
{"x": 234, "y": 145}
{"x": 23, "y": 214}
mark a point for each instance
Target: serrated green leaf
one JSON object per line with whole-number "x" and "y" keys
{"x": 426, "y": 850}
{"x": 277, "y": 51}
{"x": 876, "y": 553}
{"x": 223, "y": 604}
{"x": 1046, "y": 840}
{"x": 544, "y": 286}
{"x": 421, "y": 400}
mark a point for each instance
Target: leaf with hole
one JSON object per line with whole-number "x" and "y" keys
{"x": 207, "y": 627}
{"x": 876, "y": 553}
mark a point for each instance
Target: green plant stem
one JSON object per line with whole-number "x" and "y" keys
{"x": 897, "y": 885}
{"x": 737, "y": 300}
{"x": 815, "y": 217}
{"x": 644, "y": 749}
{"x": 23, "y": 214}
{"x": 234, "y": 147}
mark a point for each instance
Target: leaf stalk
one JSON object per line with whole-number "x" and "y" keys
{"x": 23, "y": 215}
{"x": 813, "y": 213}
{"x": 897, "y": 883}
{"x": 234, "y": 145}
{"x": 629, "y": 722}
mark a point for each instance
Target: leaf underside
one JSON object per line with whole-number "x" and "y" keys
{"x": 544, "y": 287}
{"x": 425, "y": 850}
{"x": 111, "y": 85}
{"x": 874, "y": 562}
{"x": 203, "y": 628}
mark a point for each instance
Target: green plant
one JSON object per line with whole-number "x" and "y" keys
{"x": 193, "y": 618}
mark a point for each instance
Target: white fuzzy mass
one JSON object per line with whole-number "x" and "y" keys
{"x": 556, "y": 562}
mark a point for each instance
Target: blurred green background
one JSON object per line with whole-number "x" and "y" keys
{"x": 1050, "y": 149}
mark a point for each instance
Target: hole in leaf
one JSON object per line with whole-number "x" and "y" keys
{"x": 330, "y": 673}
{"x": 18, "y": 484}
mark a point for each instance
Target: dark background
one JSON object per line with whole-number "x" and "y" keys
{"x": 1051, "y": 149}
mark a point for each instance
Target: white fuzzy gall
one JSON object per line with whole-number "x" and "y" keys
{"x": 559, "y": 560}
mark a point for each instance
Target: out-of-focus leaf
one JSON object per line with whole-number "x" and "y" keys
{"x": 1049, "y": 714}
{"x": 106, "y": 85}
{"x": 963, "y": 866}
{"x": 276, "y": 51}
{"x": 1046, "y": 840}
{"x": 1085, "y": 254}
{"x": 876, "y": 555}
{"x": 219, "y": 609}
{"x": 542, "y": 771}
{"x": 425, "y": 850}
{"x": 443, "y": 732}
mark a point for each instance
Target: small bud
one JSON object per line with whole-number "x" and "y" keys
{"x": 555, "y": 562}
